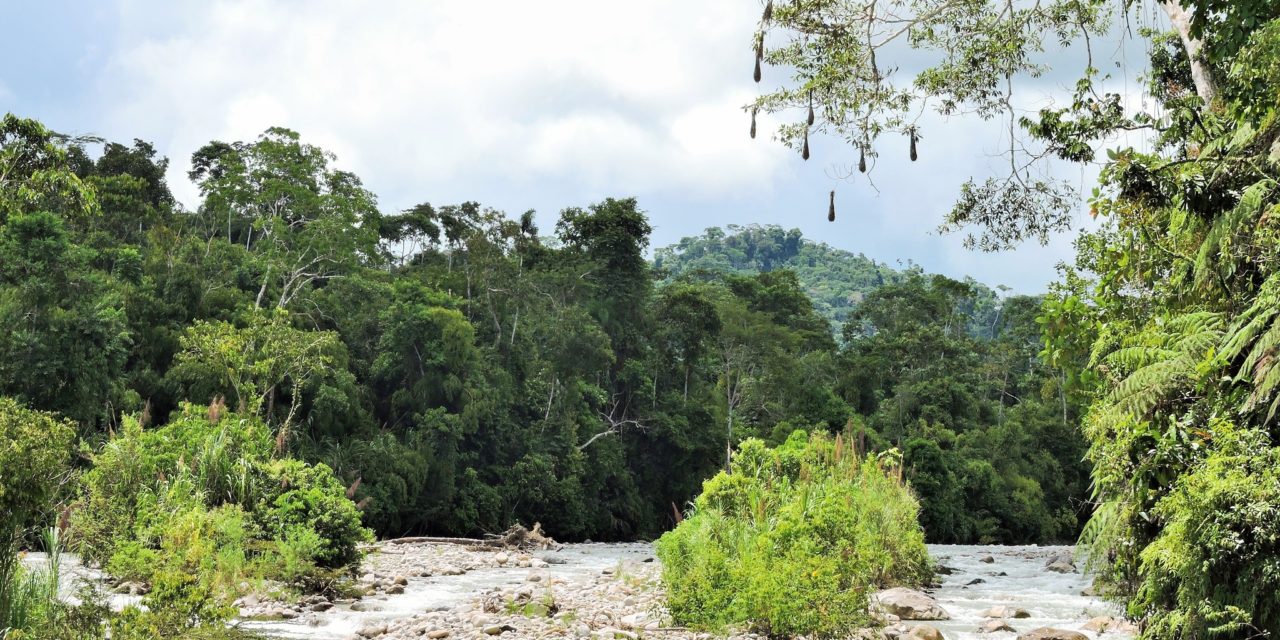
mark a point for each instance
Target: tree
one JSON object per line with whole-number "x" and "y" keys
{"x": 304, "y": 222}
{"x": 35, "y": 174}
{"x": 688, "y": 324}
{"x": 66, "y": 338}
{"x": 255, "y": 362}
{"x": 845, "y": 58}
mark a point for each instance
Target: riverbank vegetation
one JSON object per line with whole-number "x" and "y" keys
{"x": 792, "y": 540}
{"x": 1166, "y": 324}
{"x": 232, "y": 394}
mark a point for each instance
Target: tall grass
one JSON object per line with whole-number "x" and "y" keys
{"x": 29, "y": 597}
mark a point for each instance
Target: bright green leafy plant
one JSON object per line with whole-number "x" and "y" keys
{"x": 793, "y": 540}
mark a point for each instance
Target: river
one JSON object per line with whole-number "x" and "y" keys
{"x": 1016, "y": 576}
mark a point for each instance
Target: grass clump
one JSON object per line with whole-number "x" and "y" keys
{"x": 793, "y": 540}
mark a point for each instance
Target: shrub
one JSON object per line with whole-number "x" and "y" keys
{"x": 792, "y": 541}
{"x": 1214, "y": 568}
{"x": 298, "y": 495}
{"x": 35, "y": 451}
{"x": 201, "y": 501}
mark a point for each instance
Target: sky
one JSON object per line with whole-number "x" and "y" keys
{"x": 518, "y": 105}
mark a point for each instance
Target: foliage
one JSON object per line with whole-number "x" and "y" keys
{"x": 200, "y": 505}
{"x": 989, "y": 433}
{"x": 792, "y": 541}
{"x": 1173, "y": 304}
{"x": 456, "y": 370}
{"x": 35, "y": 456}
{"x": 258, "y": 362}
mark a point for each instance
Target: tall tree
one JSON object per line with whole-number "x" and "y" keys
{"x": 304, "y": 222}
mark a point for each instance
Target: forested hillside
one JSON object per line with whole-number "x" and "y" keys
{"x": 836, "y": 280}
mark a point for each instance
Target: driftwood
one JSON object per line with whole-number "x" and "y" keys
{"x": 517, "y": 537}
{"x": 435, "y": 540}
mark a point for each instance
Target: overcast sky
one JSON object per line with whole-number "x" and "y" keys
{"x": 515, "y": 104}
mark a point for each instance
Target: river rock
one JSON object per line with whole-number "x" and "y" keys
{"x": 924, "y": 632}
{"x": 372, "y": 630}
{"x": 910, "y": 604}
{"x": 132, "y": 588}
{"x": 1048, "y": 633}
{"x": 438, "y": 634}
{"x": 1061, "y": 556}
{"x": 1103, "y": 624}
{"x": 996, "y": 625}
{"x": 634, "y": 621}
{"x": 1003, "y": 611}
{"x": 986, "y": 559}
{"x": 1061, "y": 567}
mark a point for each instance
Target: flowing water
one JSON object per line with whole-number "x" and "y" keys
{"x": 1016, "y": 577}
{"x": 573, "y": 562}
{"x": 1053, "y": 599}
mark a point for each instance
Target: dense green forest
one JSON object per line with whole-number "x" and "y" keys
{"x": 247, "y": 390}
{"x": 462, "y": 372}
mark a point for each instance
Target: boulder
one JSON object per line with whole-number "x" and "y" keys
{"x": 924, "y": 632}
{"x": 1104, "y": 624}
{"x": 1049, "y": 633}
{"x": 995, "y": 626}
{"x": 1061, "y": 567}
{"x": 987, "y": 559}
{"x": 910, "y": 604}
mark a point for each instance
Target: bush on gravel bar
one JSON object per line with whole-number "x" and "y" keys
{"x": 793, "y": 540}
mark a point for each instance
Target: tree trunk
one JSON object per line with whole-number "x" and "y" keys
{"x": 266, "y": 278}
{"x": 1201, "y": 74}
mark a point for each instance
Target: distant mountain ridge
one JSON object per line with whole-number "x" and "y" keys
{"x": 835, "y": 279}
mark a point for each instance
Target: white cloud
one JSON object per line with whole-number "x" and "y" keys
{"x": 549, "y": 104}
{"x": 411, "y": 95}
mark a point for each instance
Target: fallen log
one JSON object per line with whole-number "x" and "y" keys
{"x": 439, "y": 540}
{"x": 517, "y": 537}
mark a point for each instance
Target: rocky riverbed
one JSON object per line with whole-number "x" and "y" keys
{"x": 612, "y": 592}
